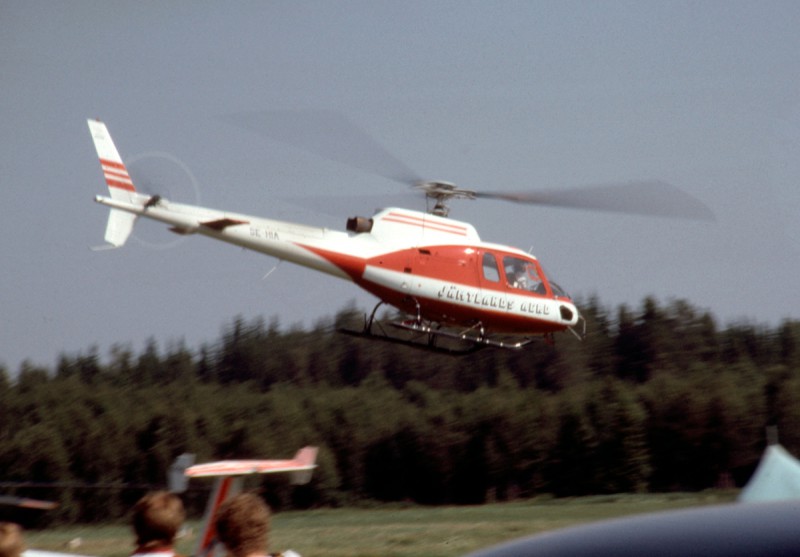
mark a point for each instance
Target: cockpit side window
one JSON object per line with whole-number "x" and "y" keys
{"x": 490, "y": 269}
{"x": 523, "y": 275}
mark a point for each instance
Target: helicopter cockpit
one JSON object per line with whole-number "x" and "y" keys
{"x": 523, "y": 275}
{"x": 526, "y": 275}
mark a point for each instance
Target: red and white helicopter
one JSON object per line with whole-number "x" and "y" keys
{"x": 437, "y": 270}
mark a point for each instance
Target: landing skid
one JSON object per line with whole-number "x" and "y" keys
{"x": 419, "y": 342}
{"x": 420, "y": 333}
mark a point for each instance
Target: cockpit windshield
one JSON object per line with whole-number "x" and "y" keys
{"x": 523, "y": 274}
{"x": 558, "y": 291}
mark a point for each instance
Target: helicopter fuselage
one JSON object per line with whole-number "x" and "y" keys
{"x": 434, "y": 267}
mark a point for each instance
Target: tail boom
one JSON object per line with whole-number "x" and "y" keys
{"x": 332, "y": 252}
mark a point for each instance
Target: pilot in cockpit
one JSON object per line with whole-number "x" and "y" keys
{"x": 518, "y": 277}
{"x": 523, "y": 275}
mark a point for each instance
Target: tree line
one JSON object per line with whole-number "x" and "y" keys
{"x": 656, "y": 398}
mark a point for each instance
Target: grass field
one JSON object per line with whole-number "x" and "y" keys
{"x": 401, "y": 531}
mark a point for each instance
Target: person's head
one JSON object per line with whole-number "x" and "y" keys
{"x": 12, "y": 543}
{"x": 157, "y": 517}
{"x": 243, "y": 525}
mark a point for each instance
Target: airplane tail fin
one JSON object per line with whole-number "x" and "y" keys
{"x": 305, "y": 457}
{"x": 176, "y": 475}
{"x": 120, "y": 185}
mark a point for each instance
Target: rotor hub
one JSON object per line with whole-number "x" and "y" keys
{"x": 440, "y": 192}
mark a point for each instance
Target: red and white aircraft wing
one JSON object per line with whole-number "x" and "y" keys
{"x": 302, "y": 462}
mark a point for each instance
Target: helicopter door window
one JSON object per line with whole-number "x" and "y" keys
{"x": 490, "y": 270}
{"x": 523, "y": 275}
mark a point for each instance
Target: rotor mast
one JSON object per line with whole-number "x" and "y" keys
{"x": 440, "y": 192}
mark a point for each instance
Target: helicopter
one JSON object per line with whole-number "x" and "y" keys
{"x": 447, "y": 284}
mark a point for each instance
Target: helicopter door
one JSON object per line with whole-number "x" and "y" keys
{"x": 453, "y": 266}
{"x": 490, "y": 272}
{"x": 493, "y": 293}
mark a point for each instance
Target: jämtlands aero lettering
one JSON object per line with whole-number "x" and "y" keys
{"x": 498, "y": 301}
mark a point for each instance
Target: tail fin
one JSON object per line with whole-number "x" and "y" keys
{"x": 307, "y": 456}
{"x": 176, "y": 475}
{"x": 120, "y": 184}
{"x": 119, "y": 181}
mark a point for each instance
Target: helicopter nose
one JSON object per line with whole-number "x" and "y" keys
{"x": 569, "y": 314}
{"x": 571, "y": 318}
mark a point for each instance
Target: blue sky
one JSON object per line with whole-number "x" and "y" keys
{"x": 490, "y": 95}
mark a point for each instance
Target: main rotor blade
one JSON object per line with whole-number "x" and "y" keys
{"x": 327, "y": 134}
{"x": 653, "y": 198}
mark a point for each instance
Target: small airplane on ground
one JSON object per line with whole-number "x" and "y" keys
{"x": 229, "y": 474}
{"x": 436, "y": 270}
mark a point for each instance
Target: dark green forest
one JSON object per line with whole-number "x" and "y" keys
{"x": 657, "y": 398}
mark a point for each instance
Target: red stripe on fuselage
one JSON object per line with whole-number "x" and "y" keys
{"x": 445, "y": 265}
{"x": 420, "y": 222}
{"x": 456, "y": 264}
{"x": 350, "y": 264}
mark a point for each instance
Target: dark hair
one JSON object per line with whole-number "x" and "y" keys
{"x": 243, "y": 524}
{"x": 156, "y": 519}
